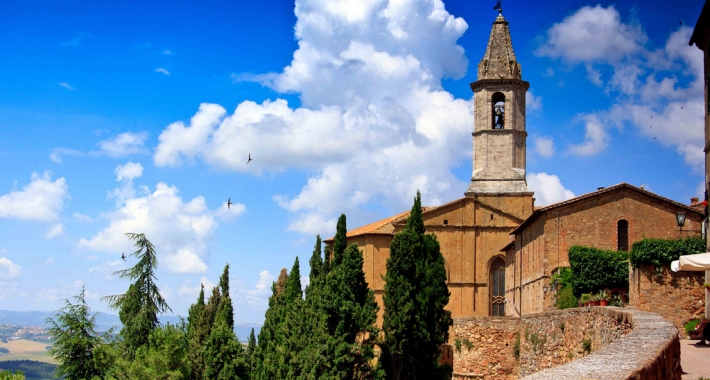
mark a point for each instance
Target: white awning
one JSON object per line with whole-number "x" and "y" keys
{"x": 698, "y": 262}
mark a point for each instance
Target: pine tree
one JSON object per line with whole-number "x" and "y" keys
{"x": 75, "y": 340}
{"x": 141, "y": 304}
{"x": 415, "y": 321}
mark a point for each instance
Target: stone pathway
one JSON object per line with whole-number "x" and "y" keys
{"x": 695, "y": 360}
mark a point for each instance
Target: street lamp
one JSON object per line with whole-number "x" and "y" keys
{"x": 680, "y": 218}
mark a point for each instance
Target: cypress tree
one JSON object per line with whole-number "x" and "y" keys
{"x": 312, "y": 353}
{"x": 340, "y": 242}
{"x": 269, "y": 337}
{"x": 415, "y": 321}
{"x": 224, "y": 288}
{"x": 197, "y": 332}
{"x": 316, "y": 264}
{"x": 223, "y": 354}
{"x": 251, "y": 348}
{"x": 351, "y": 315}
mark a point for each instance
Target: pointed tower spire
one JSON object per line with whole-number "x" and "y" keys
{"x": 499, "y": 136}
{"x": 499, "y": 61}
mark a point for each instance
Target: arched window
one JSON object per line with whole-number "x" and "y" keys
{"x": 622, "y": 234}
{"x": 498, "y": 102}
{"x": 497, "y": 284}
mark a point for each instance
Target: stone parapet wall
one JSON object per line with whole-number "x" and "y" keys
{"x": 491, "y": 356}
{"x": 558, "y": 337}
{"x": 651, "y": 351}
{"x": 624, "y": 344}
{"x": 677, "y": 296}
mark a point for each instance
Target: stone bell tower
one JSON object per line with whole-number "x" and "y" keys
{"x": 499, "y": 119}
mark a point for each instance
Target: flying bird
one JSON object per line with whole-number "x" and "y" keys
{"x": 680, "y": 22}
{"x": 229, "y": 202}
{"x": 249, "y": 160}
{"x": 681, "y": 107}
{"x": 123, "y": 256}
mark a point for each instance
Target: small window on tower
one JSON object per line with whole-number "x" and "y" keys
{"x": 446, "y": 221}
{"x": 498, "y": 102}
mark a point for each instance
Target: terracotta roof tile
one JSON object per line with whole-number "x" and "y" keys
{"x": 380, "y": 227}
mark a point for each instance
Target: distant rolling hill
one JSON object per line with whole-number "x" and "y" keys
{"x": 104, "y": 321}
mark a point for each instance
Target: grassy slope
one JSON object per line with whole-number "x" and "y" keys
{"x": 26, "y": 350}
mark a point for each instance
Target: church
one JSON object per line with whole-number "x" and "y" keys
{"x": 500, "y": 250}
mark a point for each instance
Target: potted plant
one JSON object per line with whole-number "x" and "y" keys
{"x": 603, "y": 298}
{"x": 594, "y": 300}
{"x": 584, "y": 299}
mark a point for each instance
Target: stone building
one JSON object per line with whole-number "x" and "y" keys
{"x": 611, "y": 218}
{"x": 486, "y": 273}
{"x": 472, "y": 229}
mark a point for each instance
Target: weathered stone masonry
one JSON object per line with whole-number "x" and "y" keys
{"x": 625, "y": 344}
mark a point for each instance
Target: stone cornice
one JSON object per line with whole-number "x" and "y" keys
{"x": 499, "y": 131}
{"x": 503, "y": 82}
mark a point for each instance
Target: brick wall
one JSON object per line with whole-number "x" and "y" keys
{"x": 542, "y": 245}
{"x": 677, "y": 296}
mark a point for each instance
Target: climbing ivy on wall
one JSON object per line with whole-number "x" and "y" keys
{"x": 661, "y": 252}
{"x": 596, "y": 269}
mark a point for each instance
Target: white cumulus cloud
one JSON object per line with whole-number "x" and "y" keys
{"x": 124, "y": 144}
{"x": 593, "y": 33}
{"x": 8, "y": 269}
{"x": 548, "y": 189}
{"x": 128, "y": 171}
{"x": 54, "y": 231}
{"x": 42, "y": 200}
{"x": 650, "y": 97}
{"x": 596, "y": 137}
{"x": 180, "y": 230}
{"x": 374, "y": 123}
{"x": 544, "y": 146}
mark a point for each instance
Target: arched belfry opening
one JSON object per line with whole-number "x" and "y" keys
{"x": 497, "y": 286}
{"x": 498, "y": 105}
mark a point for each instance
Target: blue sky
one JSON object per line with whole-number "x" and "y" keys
{"x": 129, "y": 117}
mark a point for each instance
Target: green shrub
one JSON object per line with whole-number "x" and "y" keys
{"x": 468, "y": 344}
{"x": 457, "y": 344}
{"x": 587, "y": 345}
{"x": 690, "y": 326}
{"x": 516, "y": 346}
{"x": 564, "y": 299}
{"x": 595, "y": 269}
{"x": 660, "y": 252}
